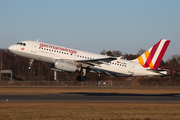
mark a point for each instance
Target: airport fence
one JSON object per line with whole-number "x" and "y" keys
{"x": 91, "y": 83}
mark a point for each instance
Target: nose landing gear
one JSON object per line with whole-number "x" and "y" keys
{"x": 30, "y": 63}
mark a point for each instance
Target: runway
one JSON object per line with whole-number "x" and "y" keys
{"x": 94, "y": 97}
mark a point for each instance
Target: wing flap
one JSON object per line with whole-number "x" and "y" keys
{"x": 97, "y": 61}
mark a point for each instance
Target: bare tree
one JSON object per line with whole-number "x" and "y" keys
{"x": 3, "y": 57}
{"x": 141, "y": 51}
{"x": 117, "y": 53}
{"x": 177, "y": 57}
{"x": 130, "y": 56}
{"x": 174, "y": 63}
{"x": 103, "y": 52}
{"x": 109, "y": 53}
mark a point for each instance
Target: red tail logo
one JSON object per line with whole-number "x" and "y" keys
{"x": 152, "y": 57}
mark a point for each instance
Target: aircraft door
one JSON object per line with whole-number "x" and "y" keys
{"x": 131, "y": 69}
{"x": 34, "y": 47}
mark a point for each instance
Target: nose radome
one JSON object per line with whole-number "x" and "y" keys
{"x": 10, "y": 48}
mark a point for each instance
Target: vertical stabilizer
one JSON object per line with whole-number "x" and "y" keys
{"x": 152, "y": 57}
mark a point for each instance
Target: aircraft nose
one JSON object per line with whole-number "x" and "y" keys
{"x": 11, "y": 48}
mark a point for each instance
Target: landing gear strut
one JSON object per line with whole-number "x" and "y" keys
{"x": 82, "y": 78}
{"x": 30, "y": 63}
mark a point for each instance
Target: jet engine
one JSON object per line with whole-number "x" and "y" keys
{"x": 66, "y": 66}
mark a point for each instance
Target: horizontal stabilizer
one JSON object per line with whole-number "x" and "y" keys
{"x": 158, "y": 70}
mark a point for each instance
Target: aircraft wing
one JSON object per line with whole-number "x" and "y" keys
{"x": 93, "y": 62}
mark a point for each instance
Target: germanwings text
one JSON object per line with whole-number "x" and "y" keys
{"x": 58, "y": 48}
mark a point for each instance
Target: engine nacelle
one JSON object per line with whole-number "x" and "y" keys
{"x": 66, "y": 66}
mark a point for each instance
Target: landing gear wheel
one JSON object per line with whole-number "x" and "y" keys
{"x": 83, "y": 78}
{"x": 29, "y": 67}
{"x": 78, "y": 78}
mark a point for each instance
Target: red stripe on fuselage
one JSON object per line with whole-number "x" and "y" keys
{"x": 158, "y": 61}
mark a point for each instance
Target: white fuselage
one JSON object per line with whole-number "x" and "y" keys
{"x": 50, "y": 53}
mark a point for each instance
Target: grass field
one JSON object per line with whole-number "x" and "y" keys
{"x": 87, "y": 110}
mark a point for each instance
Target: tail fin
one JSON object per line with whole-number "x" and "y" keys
{"x": 152, "y": 57}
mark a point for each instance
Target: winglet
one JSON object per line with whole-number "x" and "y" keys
{"x": 152, "y": 57}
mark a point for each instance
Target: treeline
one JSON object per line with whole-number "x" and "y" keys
{"x": 41, "y": 70}
{"x": 19, "y": 65}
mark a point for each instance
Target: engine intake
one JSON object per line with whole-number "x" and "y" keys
{"x": 66, "y": 66}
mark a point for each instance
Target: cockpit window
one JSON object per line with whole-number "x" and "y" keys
{"x": 22, "y": 44}
{"x": 18, "y": 43}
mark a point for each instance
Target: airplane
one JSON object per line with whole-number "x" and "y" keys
{"x": 65, "y": 59}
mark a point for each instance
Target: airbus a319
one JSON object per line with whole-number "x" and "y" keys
{"x": 71, "y": 60}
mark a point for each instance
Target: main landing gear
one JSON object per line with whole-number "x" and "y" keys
{"x": 82, "y": 78}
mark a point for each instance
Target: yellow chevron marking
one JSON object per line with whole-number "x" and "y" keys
{"x": 140, "y": 59}
{"x": 151, "y": 65}
{"x": 147, "y": 54}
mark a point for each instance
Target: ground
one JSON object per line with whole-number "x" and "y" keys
{"x": 87, "y": 110}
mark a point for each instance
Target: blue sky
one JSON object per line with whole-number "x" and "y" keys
{"x": 92, "y": 25}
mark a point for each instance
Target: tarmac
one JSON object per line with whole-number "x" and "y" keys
{"x": 94, "y": 97}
